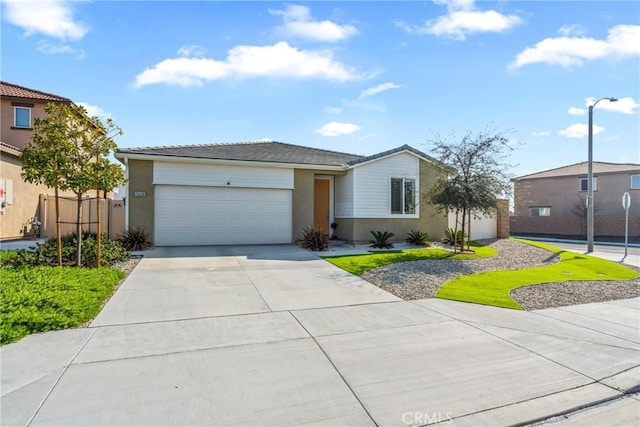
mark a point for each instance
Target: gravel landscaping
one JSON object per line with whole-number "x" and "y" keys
{"x": 422, "y": 279}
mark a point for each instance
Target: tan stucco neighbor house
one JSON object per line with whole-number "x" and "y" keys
{"x": 19, "y": 106}
{"x": 268, "y": 192}
{"x": 551, "y": 202}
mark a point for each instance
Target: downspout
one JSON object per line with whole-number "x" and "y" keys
{"x": 126, "y": 192}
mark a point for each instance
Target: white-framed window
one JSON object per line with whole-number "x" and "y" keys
{"x": 635, "y": 182}
{"x": 584, "y": 182}
{"x": 22, "y": 117}
{"x": 403, "y": 196}
{"x": 540, "y": 211}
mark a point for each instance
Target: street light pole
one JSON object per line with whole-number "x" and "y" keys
{"x": 590, "y": 201}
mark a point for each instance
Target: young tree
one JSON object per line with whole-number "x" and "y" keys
{"x": 478, "y": 175}
{"x": 78, "y": 146}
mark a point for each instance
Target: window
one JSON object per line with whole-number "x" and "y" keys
{"x": 540, "y": 211}
{"x": 583, "y": 184}
{"x": 635, "y": 182}
{"x": 22, "y": 117}
{"x": 403, "y": 196}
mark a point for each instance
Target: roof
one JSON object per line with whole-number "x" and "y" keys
{"x": 393, "y": 151}
{"x": 258, "y": 151}
{"x": 581, "y": 169}
{"x": 9, "y": 148}
{"x": 15, "y": 91}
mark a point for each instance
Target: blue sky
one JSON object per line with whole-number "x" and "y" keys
{"x": 358, "y": 77}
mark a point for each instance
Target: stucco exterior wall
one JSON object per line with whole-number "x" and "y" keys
{"x": 25, "y": 200}
{"x": 17, "y": 137}
{"x": 141, "y": 208}
{"x": 302, "y": 201}
{"x": 563, "y": 193}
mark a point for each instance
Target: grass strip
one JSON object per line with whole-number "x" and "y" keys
{"x": 358, "y": 264}
{"x": 493, "y": 287}
{"x": 39, "y": 299}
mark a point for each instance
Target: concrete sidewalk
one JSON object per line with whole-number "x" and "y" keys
{"x": 310, "y": 346}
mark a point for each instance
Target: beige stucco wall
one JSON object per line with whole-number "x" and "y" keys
{"x": 15, "y": 136}
{"x": 141, "y": 209}
{"x": 302, "y": 201}
{"x": 562, "y": 193}
{"x": 430, "y": 221}
{"x": 25, "y": 199}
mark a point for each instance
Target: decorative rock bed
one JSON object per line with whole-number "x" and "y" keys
{"x": 422, "y": 279}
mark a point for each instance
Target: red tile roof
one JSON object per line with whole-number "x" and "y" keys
{"x": 15, "y": 91}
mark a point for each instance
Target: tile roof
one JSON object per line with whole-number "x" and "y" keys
{"x": 15, "y": 91}
{"x": 262, "y": 151}
{"x": 581, "y": 169}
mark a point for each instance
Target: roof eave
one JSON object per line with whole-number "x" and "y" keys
{"x": 121, "y": 155}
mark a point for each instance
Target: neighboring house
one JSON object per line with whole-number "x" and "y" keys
{"x": 553, "y": 202}
{"x": 19, "y": 106}
{"x": 268, "y": 192}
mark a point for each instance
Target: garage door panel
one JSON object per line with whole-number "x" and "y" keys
{"x": 220, "y": 216}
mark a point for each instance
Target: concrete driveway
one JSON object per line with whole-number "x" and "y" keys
{"x": 275, "y": 336}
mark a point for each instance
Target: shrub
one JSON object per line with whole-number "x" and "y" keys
{"x": 417, "y": 237}
{"x": 314, "y": 239}
{"x": 46, "y": 253}
{"x": 450, "y": 236}
{"x": 135, "y": 239}
{"x": 381, "y": 239}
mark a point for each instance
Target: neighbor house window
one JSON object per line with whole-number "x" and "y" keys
{"x": 403, "y": 196}
{"x": 584, "y": 181}
{"x": 22, "y": 117}
{"x": 540, "y": 211}
{"x": 635, "y": 182}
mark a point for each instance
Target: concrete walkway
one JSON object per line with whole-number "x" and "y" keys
{"x": 275, "y": 336}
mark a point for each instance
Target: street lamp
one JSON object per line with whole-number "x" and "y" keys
{"x": 590, "y": 203}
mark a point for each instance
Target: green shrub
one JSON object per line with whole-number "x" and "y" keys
{"x": 450, "y": 236}
{"x": 417, "y": 237}
{"x": 314, "y": 239}
{"x": 135, "y": 239}
{"x": 46, "y": 253}
{"x": 381, "y": 239}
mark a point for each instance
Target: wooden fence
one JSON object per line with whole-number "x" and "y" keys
{"x": 111, "y": 216}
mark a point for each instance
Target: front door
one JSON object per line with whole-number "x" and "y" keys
{"x": 321, "y": 204}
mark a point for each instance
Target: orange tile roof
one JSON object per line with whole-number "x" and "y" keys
{"x": 15, "y": 91}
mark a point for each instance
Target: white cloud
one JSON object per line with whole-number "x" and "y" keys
{"x": 52, "y": 18}
{"x": 45, "y": 47}
{"x": 580, "y": 130}
{"x": 623, "y": 105}
{"x": 297, "y": 22}
{"x": 333, "y": 110}
{"x": 94, "y": 110}
{"x": 337, "y": 129}
{"x": 576, "y": 111}
{"x": 380, "y": 88}
{"x": 621, "y": 42}
{"x": 462, "y": 19}
{"x": 279, "y": 60}
{"x": 191, "y": 51}
{"x": 572, "y": 30}
{"x": 542, "y": 133}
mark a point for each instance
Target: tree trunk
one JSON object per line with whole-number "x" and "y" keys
{"x": 58, "y": 236}
{"x": 98, "y": 237}
{"x": 469, "y": 230}
{"x": 455, "y": 234}
{"x": 79, "y": 232}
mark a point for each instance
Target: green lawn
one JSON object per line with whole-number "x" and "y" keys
{"x": 358, "y": 264}
{"x": 493, "y": 287}
{"x": 39, "y": 299}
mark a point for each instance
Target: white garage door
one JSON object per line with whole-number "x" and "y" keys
{"x": 221, "y": 216}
